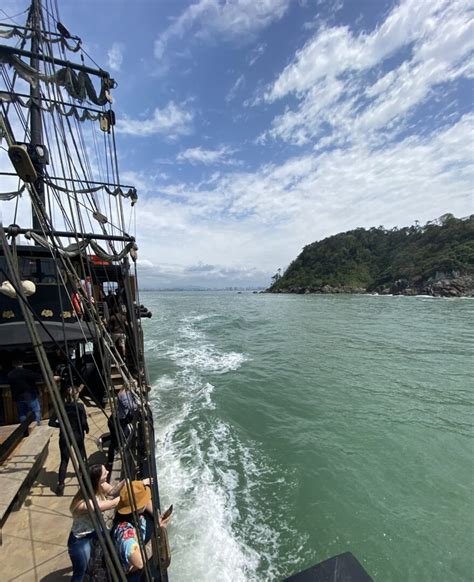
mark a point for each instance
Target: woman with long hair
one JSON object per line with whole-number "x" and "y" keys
{"x": 82, "y": 531}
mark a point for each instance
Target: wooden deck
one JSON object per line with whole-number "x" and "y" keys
{"x": 6, "y": 431}
{"x": 35, "y": 537}
{"x": 19, "y": 471}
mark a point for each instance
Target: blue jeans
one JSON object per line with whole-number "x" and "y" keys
{"x": 24, "y": 406}
{"x": 80, "y": 553}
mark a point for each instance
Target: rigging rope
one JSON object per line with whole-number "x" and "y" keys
{"x": 20, "y": 32}
{"x": 73, "y": 159}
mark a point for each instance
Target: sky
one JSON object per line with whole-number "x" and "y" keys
{"x": 252, "y": 128}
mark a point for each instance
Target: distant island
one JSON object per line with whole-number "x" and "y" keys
{"x": 435, "y": 259}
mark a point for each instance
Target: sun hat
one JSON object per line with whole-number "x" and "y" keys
{"x": 141, "y": 494}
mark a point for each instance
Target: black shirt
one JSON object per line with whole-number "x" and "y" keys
{"x": 23, "y": 384}
{"x": 77, "y": 416}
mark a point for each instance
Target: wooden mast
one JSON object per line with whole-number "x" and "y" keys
{"x": 36, "y": 126}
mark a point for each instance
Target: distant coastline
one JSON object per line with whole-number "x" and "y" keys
{"x": 202, "y": 289}
{"x": 444, "y": 287}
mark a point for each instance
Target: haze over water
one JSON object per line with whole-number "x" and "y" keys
{"x": 293, "y": 428}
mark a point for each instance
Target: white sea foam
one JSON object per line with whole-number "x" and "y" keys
{"x": 153, "y": 345}
{"x": 198, "y": 456}
{"x": 201, "y": 485}
{"x": 188, "y": 323}
{"x": 205, "y": 358}
{"x": 188, "y": 330}
{"x": 219, "y": 531}
{"x": 192, "y": 351}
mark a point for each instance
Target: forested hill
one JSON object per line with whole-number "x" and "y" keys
{"x": 436, "y": 259}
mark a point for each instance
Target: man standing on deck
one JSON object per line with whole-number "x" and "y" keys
{"x": 24, "y": 392}
{"x": 118, "y": 325}
{"x": 111, "y": 302}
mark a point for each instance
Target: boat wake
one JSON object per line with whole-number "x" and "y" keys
{"x": 219, "y": 529}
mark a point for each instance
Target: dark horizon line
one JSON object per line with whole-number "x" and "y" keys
{"x": 191, "y": 288}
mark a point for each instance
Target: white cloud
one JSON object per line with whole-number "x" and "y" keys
{"x": 207, "y": 157}
{"x": 260, "y": 220}
{"x": 333, "y": 51}
{"x": 115, "y": 56}
{"x": 144, "y": 264}
{"x": 337, "y": 100}
{"x": 240, "y": 82}
{"x": 171, "y": 121}
{"x": 143, "y": 183}
{"x": 213, "y": 19}
{"x": 18, "y": 210}
{"x": 298, "y": 126}
{"x": 256, "y": 53}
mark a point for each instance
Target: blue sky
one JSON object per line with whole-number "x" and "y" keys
{"x": 254, "y": 127}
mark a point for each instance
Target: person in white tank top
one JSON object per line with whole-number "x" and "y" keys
{"x": 82, "y": 531}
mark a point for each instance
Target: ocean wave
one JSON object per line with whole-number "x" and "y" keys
{"x": 223, "y": 526}
{"x": 283, "y": 461}
{"x": 211, "y": 477}
{"x": 205, "y": 358}
{"x": 187, "y": 328}
{"x": 154, "y": 345}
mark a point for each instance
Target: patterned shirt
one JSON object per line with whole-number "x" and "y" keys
{"x": 126, "y": 541}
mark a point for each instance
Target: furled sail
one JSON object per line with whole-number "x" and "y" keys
{"x": 10, "y": 195}
{"x": 67, "y": 112}
{"x": 78, "y": 85}
{"x": 80, "y": 248}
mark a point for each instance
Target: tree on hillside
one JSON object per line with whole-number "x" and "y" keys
{"x": 277, "y": 276}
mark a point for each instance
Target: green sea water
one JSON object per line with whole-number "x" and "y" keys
{"x": 292, "y": 428}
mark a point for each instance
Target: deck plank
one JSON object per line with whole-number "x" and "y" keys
{"x": 35, "y": 537}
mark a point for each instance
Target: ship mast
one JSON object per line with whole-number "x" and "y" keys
{"x": 36, "y": 127}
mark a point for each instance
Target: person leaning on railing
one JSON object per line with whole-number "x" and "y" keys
{"x": 125, "y": 535}
{"x": 82, "y": 531}
{"x": 126, "y": 409}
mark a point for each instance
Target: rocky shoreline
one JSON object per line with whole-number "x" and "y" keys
{"x": 462, "y": 286}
